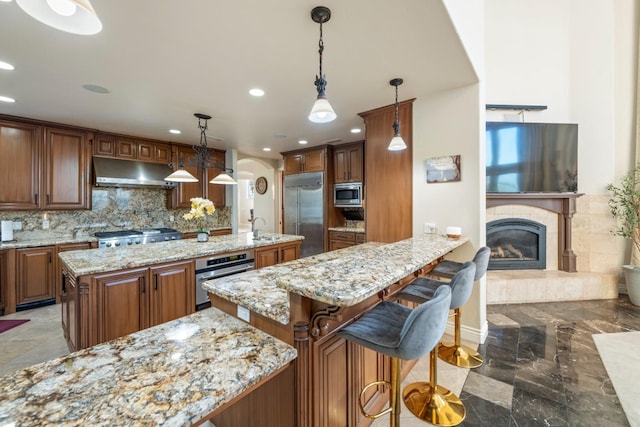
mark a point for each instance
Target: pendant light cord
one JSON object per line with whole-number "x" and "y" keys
{"x": 396, "y": 123}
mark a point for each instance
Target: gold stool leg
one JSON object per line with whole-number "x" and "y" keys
{"x": 456, "y": 353}
{"x": 433, "y": 403}
{"x": 394, "y": 396}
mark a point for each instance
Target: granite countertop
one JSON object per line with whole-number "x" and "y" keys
{"x": 348, "y": 229}
{"x": 47, "y": 240}
{"x": 173, "y": 374}
{"x": 258, "y": 291}
{"x": 342, "y": 278}
{"x": 92, "y": 261}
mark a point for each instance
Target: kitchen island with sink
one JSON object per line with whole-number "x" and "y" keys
{"x": 306, "y": 302}
{"x": 112, "y": 292}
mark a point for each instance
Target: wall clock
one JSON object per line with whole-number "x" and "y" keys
{"x": 261, "y": 185}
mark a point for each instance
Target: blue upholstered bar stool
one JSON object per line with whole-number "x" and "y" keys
{"x": 455, "y": 353}
{"x": 428, "y": 400}
{"x": 400, "y": 333}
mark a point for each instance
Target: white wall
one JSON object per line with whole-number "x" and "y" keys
{"x": 263, "y": 204}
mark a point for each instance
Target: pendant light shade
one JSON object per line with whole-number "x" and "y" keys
{"x": 181, "y": 175}
{"x": 397, "y": 143}
{"x": 224, "y": 179}
{"x": 321, "y": 111}
{"x": 72, "y": 16}
{"x": 202, "y": 160}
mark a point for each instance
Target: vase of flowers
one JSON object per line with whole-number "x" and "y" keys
{"x": 200, "y": 208}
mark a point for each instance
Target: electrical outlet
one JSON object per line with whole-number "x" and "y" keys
{"x": 17, "y": 225}
{"x": 429, "y": 228}
{"x": 45, "y": 224}
{"x": 172, "y": 218}
{"x": 244, "y": 314}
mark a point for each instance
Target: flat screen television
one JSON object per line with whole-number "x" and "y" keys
{"x": 531, "y": 157}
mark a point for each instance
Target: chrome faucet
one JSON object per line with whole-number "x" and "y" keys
{"x": 253, "y": 220}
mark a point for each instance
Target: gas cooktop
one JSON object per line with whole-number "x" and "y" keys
{"x": 107, "y": 239}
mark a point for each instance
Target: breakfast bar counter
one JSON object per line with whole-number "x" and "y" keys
{"x": 307, "y": 302}
{"x": 179, "y": 373}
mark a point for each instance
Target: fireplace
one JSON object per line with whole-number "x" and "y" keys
{"x": 517, "y": 244}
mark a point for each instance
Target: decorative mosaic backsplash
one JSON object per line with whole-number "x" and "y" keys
{"x": 113, "y": 209}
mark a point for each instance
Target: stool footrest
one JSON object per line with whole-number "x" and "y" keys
{"x": 437, "y": 405}
{"x": 462, "y": 356}
{"x": 363, "y": 391}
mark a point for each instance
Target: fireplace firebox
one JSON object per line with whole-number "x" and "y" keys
{"x": 517, "y": 244}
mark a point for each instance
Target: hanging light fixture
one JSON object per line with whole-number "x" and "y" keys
{"x": 72, "y": 16}
{"x": 321, "y": 111}
{"x": 397, "y": 143}
{"x": 203, "y": 156}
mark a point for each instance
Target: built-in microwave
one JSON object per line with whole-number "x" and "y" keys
{"x": 347, "y": 195}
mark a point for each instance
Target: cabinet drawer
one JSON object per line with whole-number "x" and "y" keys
{"x": 344, "y": 236}
{"x": 359, "y": 237}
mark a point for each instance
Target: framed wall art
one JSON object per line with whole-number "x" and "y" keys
{"x": 443, "y": 169}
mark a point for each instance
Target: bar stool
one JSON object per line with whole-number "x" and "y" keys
{"x": 399, "y": 332}
{"x": 427, "y": 400}
{"x": 455, "y": 353}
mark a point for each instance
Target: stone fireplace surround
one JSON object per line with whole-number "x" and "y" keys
{"x": 596, "y": 278}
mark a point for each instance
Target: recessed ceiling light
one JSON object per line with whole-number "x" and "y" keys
{"x": 355, "y": 130}
{"x": 266, "y": 149}
{"x": 95, "y": 88}
{"x": 256, "y": 92}
{"x": 302, "y": 141}
{"x": 175, "y": 131}
{"x": 5, "y": 65}
{"x": 6, "y": 99}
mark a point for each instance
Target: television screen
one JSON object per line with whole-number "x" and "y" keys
{"x": 531, "y": 157}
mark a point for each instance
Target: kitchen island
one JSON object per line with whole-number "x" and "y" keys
{"x": 112, "y": 292}
{"x": 179, "y": 373}
{"x": 306, "y": 303}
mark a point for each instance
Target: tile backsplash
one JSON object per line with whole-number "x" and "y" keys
{"x": 113, "y": 209}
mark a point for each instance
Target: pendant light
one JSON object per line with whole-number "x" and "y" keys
{"x": 397, "y": 143}
{"x": 72, "y": 16}
{"x": 202, "y": 159}
{"x": 321, "y": 111}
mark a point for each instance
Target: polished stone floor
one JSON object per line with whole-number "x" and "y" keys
{"x": 541, "y": 368}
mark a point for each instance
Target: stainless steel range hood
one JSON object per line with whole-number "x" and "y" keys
{"x": 130, "y": 173}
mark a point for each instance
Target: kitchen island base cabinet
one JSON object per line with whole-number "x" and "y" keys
{"x": 276, "y": 254}
{"x": 34, "y": 279}
{"x": 108, "y": 306}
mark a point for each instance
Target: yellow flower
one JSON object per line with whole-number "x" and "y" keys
{"x": 200, "y": 208}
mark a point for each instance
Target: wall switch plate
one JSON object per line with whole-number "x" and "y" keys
{"x": 17, "y": 225}
{"x": 429, "y": 228}
{"x": 172, "y": 218}
{"x": 244, "y": 314}
{"x": 45, "y": 224}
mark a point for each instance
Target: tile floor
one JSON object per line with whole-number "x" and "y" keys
{"x": 541, "y": 366}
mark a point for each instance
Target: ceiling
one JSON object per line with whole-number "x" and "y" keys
{"x": 163, "y": 61}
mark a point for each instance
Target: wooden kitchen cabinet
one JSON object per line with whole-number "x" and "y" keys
{"x": 122, "y": 147}
{"x": 312, "y": 160}
{"x": 43, "y": 168}
{"x": 180, "y": 197}
{"x": 69, "y": 310}
{"x": 4, "y": 283}
{"x": 348, "y": 162}
{"x": 58, "y": 265}
{"x": 172, "y": 293}
{"x": 276, "y": 254}
{"x": 66, "y": 183}
{"x": 35, "y": 281}
{"x": 20, "y": 151}
{"x": 344, "y": 239}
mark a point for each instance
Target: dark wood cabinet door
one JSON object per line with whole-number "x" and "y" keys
{"x": 172, "y": 292}
{"x": 216, "y": 192}
{"x": 340, "y": 165}
{"x": 104, "y": 145}
{"x": 126, "y": 148}
{"x": 124, "y": 302}
{"x": 293, "y": 163}
{"x": 146, "y": 151}
{"x": 34, "y": 275}
{"x": 332, "y": 391}
{"x": 266, "y": 256}
{"x": 19, "y": 166}
{"x": 69, "y": 308}
{"x": 314, "y": 161}
{"x": 3, "y": 280}
{"x": 66, "y": 181}
{"x": 162, "y": 153}
{"x": 355, "y": 161}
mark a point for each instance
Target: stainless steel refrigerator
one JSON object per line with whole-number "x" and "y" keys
{"x": 303, "y": 210}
